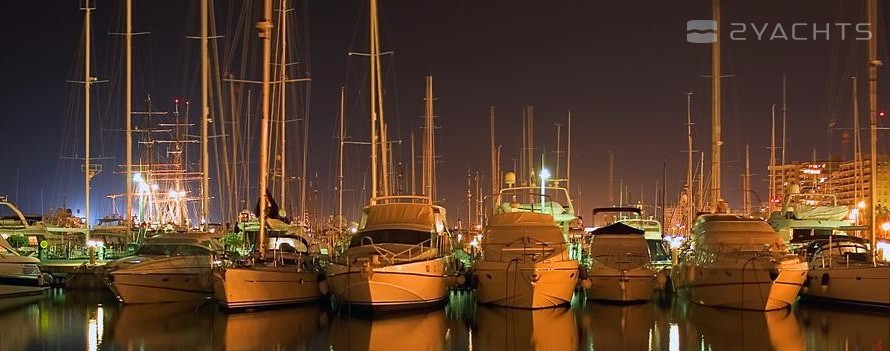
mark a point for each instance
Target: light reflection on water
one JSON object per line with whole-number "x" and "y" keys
{"x": 95, "y": 321}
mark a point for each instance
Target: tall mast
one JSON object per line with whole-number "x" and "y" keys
{"x": 88, "y": 82}
{"x": 340, "y": 158}
{"x": 205, "y": 118}
{"x": 282, "y": 109}
{"x": 690, "y": 212}
{"x": 558, "y": 150}
{"x": 746, "y": 183}
{"x": 413, "y": 167}
{"x": 128, "y": 112}
{"x": 784, "y": 125}
{"x": 873, "y": 64}
{"x": 265, "y": 33}
{"x": 569, "y": 152}
{"x": 429, "y": 153}
{"x": 530, "y": 161}
{"x": 495, "y": 178}
{"x": 857, "y": 148}
{"x": 715, "y": 113}
{"x": 772, "y": 160}
{"x": 374, "y": 53}
{"x": 612, "y": 178}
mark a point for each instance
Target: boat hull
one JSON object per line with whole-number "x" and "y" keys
{"x": 859, "y": 283}
{"x": 526, "y": 285}
{"x": 623, "y": 286}
{"x": 252, "y": 287}
{"x": 399, "y": 286}
{"x": 758, "y": 285}
{"x": 172, "y": 279}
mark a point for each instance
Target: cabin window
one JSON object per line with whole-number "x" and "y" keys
{"x": 389, "y": 236}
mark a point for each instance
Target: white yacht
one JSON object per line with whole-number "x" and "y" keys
{"x": 525, "y": 262}
{"x": 398, "y": 259}
{"x": 620, "y": 265}
{"x": 843, "y": 270}
{"x": 737, "y": 262}
{"x": 170, "y": 267}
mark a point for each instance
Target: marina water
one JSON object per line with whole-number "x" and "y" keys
{"x": 94, "y": 320}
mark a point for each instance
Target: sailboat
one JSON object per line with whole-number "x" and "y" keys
{"x": 268, "y": 280}
{"x": 400, "y": 257}
{"x": 844, "y": 269}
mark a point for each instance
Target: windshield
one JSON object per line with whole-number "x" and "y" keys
{"x": 172, "y": 250}
{"x": 657, "y": 250}
{"x": 389, "y": 236}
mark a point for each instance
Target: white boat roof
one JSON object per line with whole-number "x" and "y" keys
{"x": 737, "y": 231}
{"x": 508, "y": 227}
{"x": 619, "y": 244}
{"x": 409, "y": 216}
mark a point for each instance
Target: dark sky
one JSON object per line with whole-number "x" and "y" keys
{"x": 622, "y": 67}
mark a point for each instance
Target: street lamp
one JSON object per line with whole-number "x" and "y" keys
{"x": 545, "y": 174}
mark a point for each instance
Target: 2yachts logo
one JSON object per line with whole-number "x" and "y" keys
{"x": 701, "y": 31}
{"x": 706, "y": 31}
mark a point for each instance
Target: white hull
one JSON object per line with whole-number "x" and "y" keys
{"x": 264, "y": 286}
{"x": 407, "y": 285}
{"x": 610, "y": 284}
{"x": 171, "y": 279}
{"x": 857, "y": 283}
{"x": 749, "y": 285}
{"x": 526, "y": 285}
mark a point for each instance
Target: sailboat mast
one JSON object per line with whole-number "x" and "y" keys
{"x": 205, "y": 118}
{"x": 373, "y": 93}
{"x": 746, "y": 183}
{"x": 340, "y": 158}
{"x": 265, "y": 33}
{"x": 413, "y": 166}
{"x": 558, "y": 150}
{"x": 495, "y": 178}
{"x": 772, "y": 160}
{"x": 569, "y": 152}
{"x": 873, "y": 64}
{"x": 715, "y": 114}
{"x": 429, "y": 153}
{"x": 128, "y": 112}
{"x": 857, "y": 147}
{"x": 282, "y": 96}
{"x": 612, "y": 178}
{"x": 690, "y": 199}
{"x": 784, "y": 125}
{"x": 87, "y": 81}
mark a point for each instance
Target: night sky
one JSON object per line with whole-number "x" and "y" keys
{"x": 622, "y": 67}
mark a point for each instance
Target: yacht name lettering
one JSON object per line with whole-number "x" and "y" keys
{"x": 799, "y": 31}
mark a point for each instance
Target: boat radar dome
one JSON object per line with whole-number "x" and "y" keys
{"x": 510, "y": 179}
{"x": 793, "y": 189}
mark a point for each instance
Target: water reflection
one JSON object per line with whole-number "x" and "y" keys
{"x": 499, "y": 328}
{"x": 725, "y": 329}
{"x": 295, "y": 328}
{"x": 835, "y": 329}
{"x": 615, "y": 327}
{"x": 159, "y": 326}
{"x": 95, "y": 321}
{"x": 413, "y": 331}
